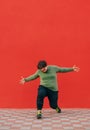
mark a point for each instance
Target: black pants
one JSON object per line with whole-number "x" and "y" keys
{"x": 45, "y": 92}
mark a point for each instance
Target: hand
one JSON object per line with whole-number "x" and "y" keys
{"x": 75, "y": 68}
{"x": 22, "y": 81}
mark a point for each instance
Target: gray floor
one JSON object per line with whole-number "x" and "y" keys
{"x": 25, "y": 119}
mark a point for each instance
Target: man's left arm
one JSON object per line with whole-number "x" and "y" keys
{"x": 66, "y": 69}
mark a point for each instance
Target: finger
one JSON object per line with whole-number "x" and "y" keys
{"x": 74, "y": 65}
{"x": 21, "y": 77}
{"x": 78, "y": 69}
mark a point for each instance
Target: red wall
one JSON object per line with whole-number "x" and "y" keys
{"x": 55, "y": 30}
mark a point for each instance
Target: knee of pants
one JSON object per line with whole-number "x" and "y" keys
{"x": 41, "y": 92}
{"x": 41, "y": 95}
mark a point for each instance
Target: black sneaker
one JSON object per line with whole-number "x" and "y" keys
{"x": 39, "y": 115}
{"x": 58, "y": 110}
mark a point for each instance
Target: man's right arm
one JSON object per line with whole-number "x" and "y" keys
{"x": 32, "y": 77}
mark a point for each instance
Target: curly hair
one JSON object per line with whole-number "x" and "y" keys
{"x": 41, "y": 64}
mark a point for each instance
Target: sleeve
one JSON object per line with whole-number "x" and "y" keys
{"x": 63, "y": 69}
{"x": 32, "y": 77}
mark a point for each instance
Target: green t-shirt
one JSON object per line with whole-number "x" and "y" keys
{"x": 49, "y": 78}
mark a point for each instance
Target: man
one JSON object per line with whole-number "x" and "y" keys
{"x": 48, "y": 84}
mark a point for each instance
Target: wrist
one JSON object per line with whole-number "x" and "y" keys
{"x": 24, "y": 80}
{"x": 73, "y": 68}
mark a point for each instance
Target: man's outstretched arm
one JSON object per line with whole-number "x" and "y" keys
{"x": 66, "y": 69}
{"x": 29, "y": 78}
